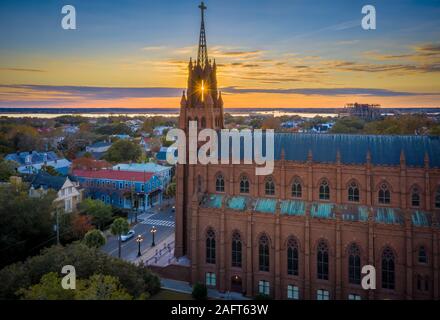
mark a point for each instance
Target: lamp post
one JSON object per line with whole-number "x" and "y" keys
{"x": 139, "y": 239}
{"x": 153, "y": 230}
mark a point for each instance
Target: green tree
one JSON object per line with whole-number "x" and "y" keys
{"x": 102, "y": 287}
{"x": 119, "y": 227}
{"x": 7, "y": 169}
{"x": 199, "y": 291}
{"x": 25, "y": 222}
{"x": 97, "y": 287}
{"x": 49, "y": 288}
{"x": 348, "y": 125}
{"x": 123, "y": 150}
{"x": 100, "y": 212}
{"x": 50, "y": 170}
{"x": 138, "y": 280}
{"x": 170, "y": 191}
{"x": 94, "y": 239}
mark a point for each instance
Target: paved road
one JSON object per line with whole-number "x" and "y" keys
{"x": 164, "y": 223}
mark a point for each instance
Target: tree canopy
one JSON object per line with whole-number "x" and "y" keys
{"x": 123, "y": 150}
{"x": 100, "y": 212}
{"x": 137, "y": 280}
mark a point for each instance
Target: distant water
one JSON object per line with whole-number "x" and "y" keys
{"x": 46, "y": 113}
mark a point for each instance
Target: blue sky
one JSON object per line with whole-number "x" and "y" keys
{"x": 136, "y": 43}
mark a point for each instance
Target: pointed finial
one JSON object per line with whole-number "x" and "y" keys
{"x": 183, "y": 100}
{"x": 220, "y": 99}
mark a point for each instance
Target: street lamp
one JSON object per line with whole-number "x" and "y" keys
{"x": 139, "y": 239}
{"x": 153, "y": 230}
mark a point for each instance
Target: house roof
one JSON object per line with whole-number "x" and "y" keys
{"x": 140, "y": 167}
{"x": 100, "y": 144}
{"x": 35, "y": 157}
{"x": 46, "y": 181}
{"x": 113, "y": 175}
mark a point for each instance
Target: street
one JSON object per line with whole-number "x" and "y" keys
{"x": 162, "y": 220}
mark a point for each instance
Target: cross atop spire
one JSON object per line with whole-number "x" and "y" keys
{"x": 202, "y": 55}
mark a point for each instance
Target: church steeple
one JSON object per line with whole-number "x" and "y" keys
{"x": 202, "y": 56}
{"x": 203, "y": 102}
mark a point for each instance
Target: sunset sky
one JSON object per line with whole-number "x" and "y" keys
{"x": 273, "y": 54}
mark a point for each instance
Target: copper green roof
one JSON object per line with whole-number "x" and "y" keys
{"x": 213, "y": 201}
{"x": 322, "y": 210}
{"x": 266, "y": 205}
{"x": 237, "y": 203}
{"x": 421, "y": 219}
{"x": 388, "y": 216}
{"x": 293, "y": 207}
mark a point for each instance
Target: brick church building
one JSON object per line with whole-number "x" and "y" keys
{"x": 333, "y": 204}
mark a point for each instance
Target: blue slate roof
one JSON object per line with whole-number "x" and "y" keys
{"x": 384, "y": 149}
{"x": 35, "y": 157}
{"x": 46, "y": 181}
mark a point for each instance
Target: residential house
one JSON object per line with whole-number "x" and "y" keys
{"x": 97, "y": 150}
{"x": 145, "y": 144}
{"x": 32, "y": 162}
{"x": 159, "y": 131}
{"x": 165, "y": 173}
{"x": 121, "y": 189}
{"x": 69, "y": 194}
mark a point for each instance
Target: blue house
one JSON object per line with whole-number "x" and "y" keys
{"x": 121, "y": 189}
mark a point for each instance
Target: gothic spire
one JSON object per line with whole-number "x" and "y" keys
{"x": 202, "y": 56}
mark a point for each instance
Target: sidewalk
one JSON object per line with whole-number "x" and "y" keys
{"x": 160, "y": 254}
{"x": 184, "y": 287}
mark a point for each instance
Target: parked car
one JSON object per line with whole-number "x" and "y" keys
{"x": 125, "y": 237}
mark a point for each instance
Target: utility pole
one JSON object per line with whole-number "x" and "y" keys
{"x": 58, "y": 227}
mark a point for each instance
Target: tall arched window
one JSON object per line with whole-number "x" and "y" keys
{"x": 219, "y": 183}
{"x": 354, "y": 264}
{"x": 388, "y": 266}
{"x": 353, "y": 192}
{"x": 324, "y": 190}
{"x": 236, "y": 249}
{"x": 263, "y": 253}
{"x": 210, "y": 246}
{"x": 269, "y": 187}
{"x": 415, "y": 197}
{"x": 296, "y": 189}
{"x": 384, "y": 194}
{"x": 437, "y": 198}
{"x": 244, "y": 184}
{"x": 322, "y": 260}
{"x": 422, "y": 255}
{"x": 292, "y": 257}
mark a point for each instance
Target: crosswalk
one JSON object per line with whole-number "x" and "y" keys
{"x": 156, "y": 222}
